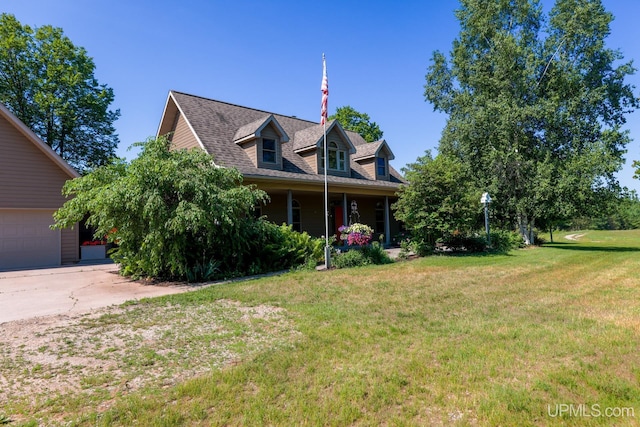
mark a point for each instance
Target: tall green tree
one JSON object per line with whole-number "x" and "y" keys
{"x": 360, "y": 123}
{"x": 49, "y": 83}
{"x": 535, "y": 110}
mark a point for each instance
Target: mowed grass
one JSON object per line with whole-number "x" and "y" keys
{"x": 447, "y": 340}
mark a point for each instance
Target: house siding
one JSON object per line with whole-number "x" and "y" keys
{"x": 70, "y": 250}
{"x": 183, "y": 137}
{"x": 311, "y": 209}
{"x": 311, "y": 159}
{"x": 276, "y": 209}
{"x": 36, "y": 181}
{"x": 251, "y": 150}
{"x": 369, "y": 166}
{"x": 366, "y": 209}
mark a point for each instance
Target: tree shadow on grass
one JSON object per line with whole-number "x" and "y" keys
{"x": 584, "y": 248}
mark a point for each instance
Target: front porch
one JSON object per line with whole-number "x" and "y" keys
{"x": 304, "y": 209}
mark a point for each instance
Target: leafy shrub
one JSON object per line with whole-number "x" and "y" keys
{"x": 203, "y": 272}
{"x": 376, "y": 254}
{"x": 461, "y": 243}
{"x": 175, "y": 216}
{"x": 309, "y": 264}
{"x": 269, "y": 247}
{"x": 503, "y": 240}
{"x": 405, "y": 249}
{"x": 366, "y": 255}
{"x": 299, "y": 248}
{"x": 474, "y": 244}
{"x": 401, "y": 237}
{"x": 420, "y": 247}
{"x": 539, "y": 240}
{"x": 351, "y": 258}
{"x": 439, "y": 199}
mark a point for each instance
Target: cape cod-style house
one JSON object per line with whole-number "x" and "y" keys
{"x": 283, "y": 156}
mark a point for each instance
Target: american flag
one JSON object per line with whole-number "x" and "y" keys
{"x": 325, "y": 92}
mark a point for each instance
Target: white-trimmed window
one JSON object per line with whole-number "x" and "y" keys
{"x": 337, "y": 158}
{"x": 269, "y": 154}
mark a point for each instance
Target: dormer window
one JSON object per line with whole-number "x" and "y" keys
{"x": 381, "y": 164}
{"x": 374, "y": 158}
{"x": 337, "y": 158}
{"x": 262, "y": 142}
{"x": 269, "y": 153}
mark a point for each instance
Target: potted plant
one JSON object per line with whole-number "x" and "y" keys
{"x": 93, "y": 249}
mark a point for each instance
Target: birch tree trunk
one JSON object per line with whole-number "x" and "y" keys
{"x": 526, "y": 229}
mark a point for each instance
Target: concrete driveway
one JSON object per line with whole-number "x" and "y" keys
{"x": 70, "y": 290}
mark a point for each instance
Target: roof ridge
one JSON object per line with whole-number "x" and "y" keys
{"x": 242, "y": 106}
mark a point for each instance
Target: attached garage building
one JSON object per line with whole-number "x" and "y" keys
{"x": 31, "y": 180}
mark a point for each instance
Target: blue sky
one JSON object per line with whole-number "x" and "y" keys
{"x": 268, "y": 55}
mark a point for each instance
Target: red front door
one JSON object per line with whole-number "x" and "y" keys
{"x": 338, "y": 220}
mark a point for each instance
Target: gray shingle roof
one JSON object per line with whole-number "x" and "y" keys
{"x": 365, "y": 151}
{"x": 218, "y": 124}
{"x": 307, "y": 138}
{"x": 249, "y": 129}
{"x": 253, "y": 129}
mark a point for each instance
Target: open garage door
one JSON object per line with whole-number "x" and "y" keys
{"x": 26, "y": 239}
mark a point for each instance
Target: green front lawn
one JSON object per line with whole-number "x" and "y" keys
{"x": 542, "y": 336}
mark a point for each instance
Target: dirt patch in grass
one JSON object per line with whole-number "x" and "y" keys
{"x": 117, "y": 350}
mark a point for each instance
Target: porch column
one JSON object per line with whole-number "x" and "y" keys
{"x": 289, "y": 207}
{"x": 345, "y": 220}
{"x": 387, "y": 228}
{"x": 345, "y": 216}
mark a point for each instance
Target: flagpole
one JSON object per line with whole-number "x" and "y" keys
{"x": 325, "y": 96}
{"x": 327, "y": 249}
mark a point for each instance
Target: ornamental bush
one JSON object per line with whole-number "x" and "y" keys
{"x": 351, "y": 258}
{"x": 505, "y": 241}
{"x": 376, "y": 254}
{"x": 439, "y": 203}
{"x": 366, "y": 255}
{"x": 177, "y": 216}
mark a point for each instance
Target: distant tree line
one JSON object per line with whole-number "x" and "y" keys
{"x": 623, "y": 214}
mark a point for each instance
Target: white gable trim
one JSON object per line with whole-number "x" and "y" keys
{"x": 186, "y": 119}
{"x": 343, "y": 134}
